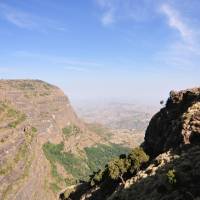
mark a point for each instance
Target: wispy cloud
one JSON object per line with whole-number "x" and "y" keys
{"x": 114, "y": 11}
{"x": 108, "y": 15}
{"x": 175, "y": 21}
{"x": 23, "y": 19}
{"x": 184, "y": 51}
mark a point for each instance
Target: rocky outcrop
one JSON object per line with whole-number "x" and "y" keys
{"x": 173, "y": 141}
{"x": 170, "y": 176}
{"x": 176, "y": 124}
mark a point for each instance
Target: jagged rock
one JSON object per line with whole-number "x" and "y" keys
{"x": 176, "y": 124}
{"x": 173, "y": 142}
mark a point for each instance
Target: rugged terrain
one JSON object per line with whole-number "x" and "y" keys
{"x": 173, "y": 146}
{"x": 116, "y": 115}
{"x": 124, "y": 121}
{"x": 44, "y": 146}
{"x": 172, "y": 138}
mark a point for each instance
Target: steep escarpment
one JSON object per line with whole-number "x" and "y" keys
{"x": 44, "y": 146}
{"x": 172, "y": 141}
{"x": 178, "y": 123}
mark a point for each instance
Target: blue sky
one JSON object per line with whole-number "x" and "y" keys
{"x": 129, "y": 49}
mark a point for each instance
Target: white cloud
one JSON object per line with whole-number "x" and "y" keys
{"x": 108, "y": 15}
{"x": 183, "y": 52}
{"x": 108, "y": 18}
{"x": 175, "y": 21}
{"x": 26, "y": 20}
{"x": 114, "y": 11}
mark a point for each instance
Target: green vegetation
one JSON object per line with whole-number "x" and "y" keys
{"x": 34, "y": 130}
{"x": 171, "y": 176}
{"x": 54, "y": 187}
{"x": 33, "y": 88}
{"x": 80, "y": 167}
{"x": 96, "y": 177}
{"x": 73, "y": 164}
{"x": 70, "y": 130}
{"x": 10, "y": 114}
{"x": 118, "y": 167}
{"x": 44, "y": 94}
{"x": 137, "y": 157}
{"x": 26, "y": 86}
{"x": 121, "y": 167}
{"x": 17, "y": 121}
{"x": 99, "y": 155}
{"x": 47, "y": 86}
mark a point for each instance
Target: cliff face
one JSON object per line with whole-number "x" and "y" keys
{"x": 34, "y": 113}
{"x": 176, "y": 124}
{"x": 173, "y": 142}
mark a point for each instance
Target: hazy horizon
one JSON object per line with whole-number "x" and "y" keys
{"x": 103, "y": 49}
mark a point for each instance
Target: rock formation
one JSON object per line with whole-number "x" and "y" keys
{"x": 176, "y": 124}
{"x": 172, "y": 141}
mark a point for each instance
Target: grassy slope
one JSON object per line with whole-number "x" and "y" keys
{"x": 80, "y": 167}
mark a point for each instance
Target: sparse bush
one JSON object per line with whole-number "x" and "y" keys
{"x": 137, "y": 157}
{"x": 12, "y": 113}
{"x": 71, "y": 130}
{"x": 171, "y": 176}
{"x": 19, "y": 120}
{"x": 54, "y": 187}
{"x": 96, "y": 177}
{"x": 34, "y": 130}
{"x": 118, "y": 167}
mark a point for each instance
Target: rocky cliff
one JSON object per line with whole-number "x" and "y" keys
{"x": 172, "y": 141}
{"x": 44, "y": 146}
{"x": 176, "y": 124}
